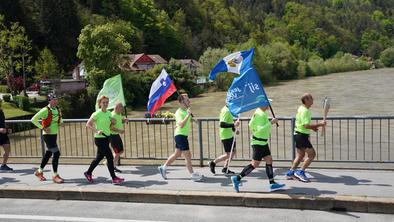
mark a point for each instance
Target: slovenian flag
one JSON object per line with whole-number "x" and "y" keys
{"x": 161, "y": 89}
{"x": 237, "y": 62}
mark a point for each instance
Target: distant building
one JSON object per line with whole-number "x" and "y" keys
{"x": 78, "y": 72}
{"x": 61, "y": 86}
{"x": 141, "y": 62}
{"x": 192, "y": 64}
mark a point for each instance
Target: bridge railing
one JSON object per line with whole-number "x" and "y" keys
{"x": 346, "y": 139}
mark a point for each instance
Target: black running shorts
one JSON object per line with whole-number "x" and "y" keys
{"x": 260, "y": 151}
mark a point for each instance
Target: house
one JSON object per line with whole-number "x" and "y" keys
{"x": 141, "y": 62}
{"x": 192, "y": 64}
{"x": 78, "y": 72}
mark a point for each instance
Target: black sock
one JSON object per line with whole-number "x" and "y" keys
{"x": 270, "y": 173}
{"x": 248, "y": 169}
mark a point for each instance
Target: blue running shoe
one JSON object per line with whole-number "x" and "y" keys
{"x": 300, "y": 174}
{"x": 275, "y": 186}
{"x": 162, "y": 172}
{"x": 235, "y": 183}
{"x": 290, "y": 174}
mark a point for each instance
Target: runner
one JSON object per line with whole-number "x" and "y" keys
{"x": 4, "y": 140}
{"x": 116, "y": 129}
{"x": 183, "y": 118}
{"x": 51, "y": 119}
{"x": 227, "y": 127}
{"x": 261, "y": 128}
{"x": 303, "y": 125}
{"x": 100, "y": 122}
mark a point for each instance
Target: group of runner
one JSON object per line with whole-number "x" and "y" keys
{"x": 107, "y": 126}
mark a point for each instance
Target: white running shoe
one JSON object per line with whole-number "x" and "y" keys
{"x": 196, "y": 177}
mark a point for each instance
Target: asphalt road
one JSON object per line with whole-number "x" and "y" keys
{"x": 29, "y": 210}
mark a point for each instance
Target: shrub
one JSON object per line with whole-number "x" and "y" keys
{"x": 4, "y": 89}
{"x": 387, "y": 57}
{"x": 22, "y": 102}
{"x": 7, "y": 98}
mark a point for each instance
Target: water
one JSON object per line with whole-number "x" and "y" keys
{"x": 352, "y": 94}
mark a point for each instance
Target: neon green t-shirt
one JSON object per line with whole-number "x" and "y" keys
{"x": 304, "y": 116}
{"x": 103, "y": 122}
{"x": 119, "y": 122}
{"x": 260, "y": 127}
{"x": 43, "y": 114}
{"x": 225, "y": 116}
{"x": 180, "y": 115}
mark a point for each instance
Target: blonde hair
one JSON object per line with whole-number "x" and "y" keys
{"x": 101, "y": 99}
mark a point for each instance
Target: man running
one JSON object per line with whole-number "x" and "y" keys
{"x": 116, "y": 129}
{"x": 4, "y": 140}
{"x": 51, "y": 119}
{"x": 261, "y": 130}
{"x": 303, "y": 125}
{"x": 183, "y": 118}
{"x": 227, "y": 127}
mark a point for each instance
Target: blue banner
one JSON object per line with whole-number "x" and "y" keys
{"x": 246, "y": 93}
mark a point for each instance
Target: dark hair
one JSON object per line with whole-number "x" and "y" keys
{"x": 305, "y": 97}
{"x": 181, "y": 97}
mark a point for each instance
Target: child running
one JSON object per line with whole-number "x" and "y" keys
{"x": 261, "y": 130}
{"x": 183, "y": 118}
{"x": 100, "y": 122}
{"x": 51, "y": 119}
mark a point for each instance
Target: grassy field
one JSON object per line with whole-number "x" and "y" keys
{"x": 11, "y": 111}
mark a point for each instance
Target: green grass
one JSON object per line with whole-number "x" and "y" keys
{"x": 11, "y": 111}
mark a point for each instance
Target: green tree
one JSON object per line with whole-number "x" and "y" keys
{"x": 101, "y": 49}
{"x": 387, "y": 57}
{"x": 47, "y": 66}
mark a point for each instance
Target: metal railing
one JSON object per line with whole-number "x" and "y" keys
{"x": 346, "y": 139}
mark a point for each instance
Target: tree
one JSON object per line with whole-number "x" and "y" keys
{"x": 15, "y": 49}
{"x": 101, "y": 48}
{"x": 387, "y": 57}
{"x": 47, "y": 66}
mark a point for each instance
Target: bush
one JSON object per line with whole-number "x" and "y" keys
{"x": 4, "y": 89}
{"x": 7, "y": 98}
{"x": 22, "y": 102}
{"x": 387, "y": 57}
{"x": 77, "y": 105}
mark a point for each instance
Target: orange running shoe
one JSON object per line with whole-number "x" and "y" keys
{"x": 57, "y": 179}
{"x": 40, "y": 175}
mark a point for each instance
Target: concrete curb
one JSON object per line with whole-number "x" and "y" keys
{"x": 328, "y": 202}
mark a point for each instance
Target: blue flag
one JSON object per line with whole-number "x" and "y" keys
{"x": 237, "y": 62}
{"x": 246, "y": 93}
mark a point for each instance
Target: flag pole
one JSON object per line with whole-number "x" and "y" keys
{"x": 273, "y": 114}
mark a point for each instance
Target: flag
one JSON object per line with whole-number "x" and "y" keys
{"x": 113, "y": 89}
{"x": 161, "y": 89}
{"x": 237, "y": 62}
{"x": 246, "y": 93}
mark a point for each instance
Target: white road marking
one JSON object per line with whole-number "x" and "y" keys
{"x": 74, "y": 219}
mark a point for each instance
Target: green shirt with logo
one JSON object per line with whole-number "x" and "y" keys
{"x": 180, "y": 115}
{"x": 119, "y": 122}
{"x": 43, "y": 114}
{"x": 303, "y": 117}
{"x": 225, "y": 116}
{"x": 260, "y": 127}
{"x": 103, "y": 122}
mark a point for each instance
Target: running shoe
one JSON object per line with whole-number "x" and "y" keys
{"x": 40, "y": 175}
{"x": 300, "y": 174}
{"x": 117, "y": 180}
{"x": 212, "y": 166}
{"x": 275, "y": 186}
{"x": 290, "y": 174}
{"x": 236, "y": 183}
{"x": 117, "y": 170}
{"x": 6, "y": 168}
{"x": 196, "y": 177}
{"x": 88, "y": 177}
{"x": 57, "y": 179}
{"x": 162, "y": 172}
{"x": 227, "y": 172}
